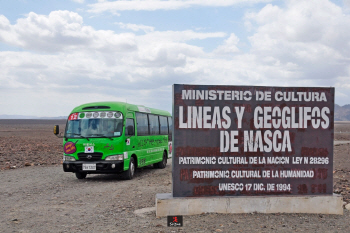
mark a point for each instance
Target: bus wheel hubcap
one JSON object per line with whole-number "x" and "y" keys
{"x": 132, "y": 168}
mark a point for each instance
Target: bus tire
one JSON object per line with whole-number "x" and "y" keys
{"x": 162, "y": 164}
{"x": 156, "y": 165}
{"x": 80, "y": 175}
{"x": 129, "y": 174}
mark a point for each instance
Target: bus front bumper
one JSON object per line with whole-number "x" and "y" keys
{"x": 101, "y": 166}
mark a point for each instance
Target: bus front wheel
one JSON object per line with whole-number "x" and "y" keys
{"x": 129, "y": 174}
{"x": 80, "y": 175}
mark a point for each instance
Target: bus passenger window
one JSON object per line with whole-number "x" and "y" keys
{"x": 170, "y": 120}
{"x": 163, "y": 125}
{"x": 142, "y": 124}
{"x": 153, "y": 124}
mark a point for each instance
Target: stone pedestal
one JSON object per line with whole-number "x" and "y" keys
{"x": 167, "y": 205}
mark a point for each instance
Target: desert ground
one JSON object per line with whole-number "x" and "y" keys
{"x": 37, "y": 196}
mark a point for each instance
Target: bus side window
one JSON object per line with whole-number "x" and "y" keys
{"x": 163, "y": 125}
{"x": 142, "y": 124}
{"x": 129, "y": 127}
{"x": 170, "y": 121}
{"x": 153, "y": 124}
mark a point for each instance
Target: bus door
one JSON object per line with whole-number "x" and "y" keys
{"x": 130, "y": 139}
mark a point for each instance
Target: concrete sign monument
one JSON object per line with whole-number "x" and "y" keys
{"x": 238, "y": 140}
{"x": 250, "y": 141}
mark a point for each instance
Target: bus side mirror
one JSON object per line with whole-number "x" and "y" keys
{"x": 56, "y": 130}
{"x": 130, "y": 130}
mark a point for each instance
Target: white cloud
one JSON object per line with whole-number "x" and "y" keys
{"x": 63, "y": 31}
{"x": 300, "y": 44}
{"x": 135, "y": 27}
{"x": 229, "y": 45}
{"x": 346, "y": 3}
{"x": 153, "y": 5}
{"x": 182, "y": 35}
{"x": 75, "y": 59}
{"x": 79, "y": 1}
{"x": 59, "y": 31}
{"x": 307, "y": 33}
{"x": 307, "y": 22}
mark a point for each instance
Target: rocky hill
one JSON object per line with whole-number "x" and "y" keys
{"x": 342, "y": 113}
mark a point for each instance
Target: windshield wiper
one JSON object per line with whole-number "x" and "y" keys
{"x": 101, "y": 135}
{"x": 80, "y": 136}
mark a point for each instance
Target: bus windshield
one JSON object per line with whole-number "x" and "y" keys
{"x": 102, "y": 127}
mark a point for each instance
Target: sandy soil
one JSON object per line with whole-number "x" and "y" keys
{"x": 342, "y": 130}
{"x": 29, "y": 143}
{"x": 37, "y": 196}
{"x": 341, "y": 166}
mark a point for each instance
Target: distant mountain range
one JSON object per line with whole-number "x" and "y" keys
{"x": 341, "y": 113}
{"x": 30, "y": 117}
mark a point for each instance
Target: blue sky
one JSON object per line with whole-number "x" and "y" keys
{"x": 55, "y": 55}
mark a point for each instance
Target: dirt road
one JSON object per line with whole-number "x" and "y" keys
{"x": 45, "y": 199}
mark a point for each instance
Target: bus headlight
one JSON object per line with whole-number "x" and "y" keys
{"x": 115, "y": 157}
{"x": 68, "y": 158}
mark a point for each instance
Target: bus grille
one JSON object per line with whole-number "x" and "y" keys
{"x": 90, "y": 156}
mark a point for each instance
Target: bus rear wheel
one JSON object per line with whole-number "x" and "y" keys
{"x": 80, "y": 175}
{"x": 161, "y": 164}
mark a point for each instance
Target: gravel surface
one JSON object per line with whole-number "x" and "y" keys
{"x": 40, "y": 197}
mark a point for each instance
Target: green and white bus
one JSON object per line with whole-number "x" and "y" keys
{"x": 115, "y": 137}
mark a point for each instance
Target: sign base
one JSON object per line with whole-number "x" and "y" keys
{"x": 167, "y": 205}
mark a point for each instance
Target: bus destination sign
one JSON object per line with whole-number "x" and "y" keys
{"x": 250, "y": 140}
